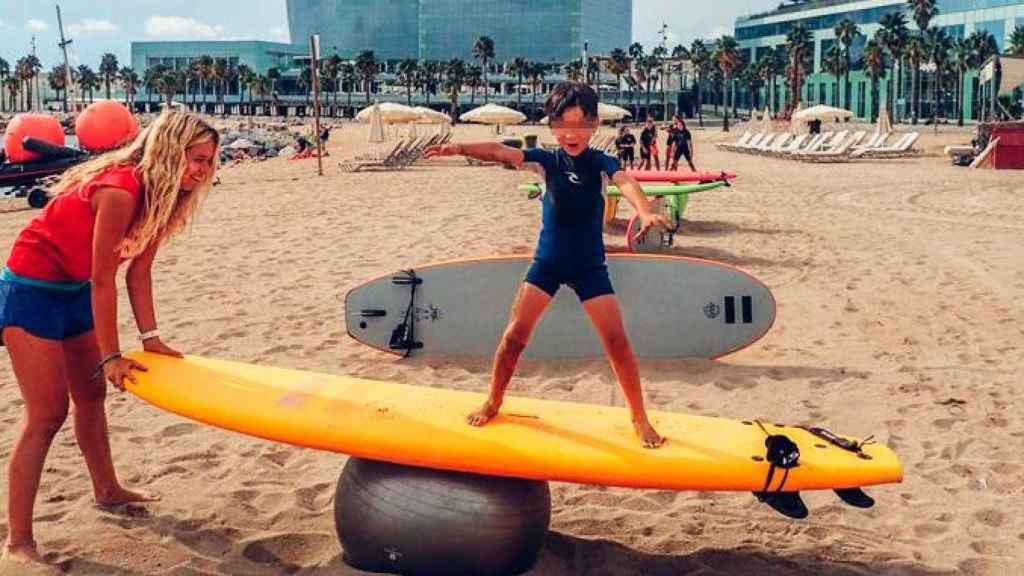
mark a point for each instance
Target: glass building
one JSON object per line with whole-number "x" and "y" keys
{"x": 550, "y": 31}
{"x": 759, "y": 34}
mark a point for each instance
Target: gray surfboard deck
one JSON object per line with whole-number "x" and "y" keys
{"x": 673, "y": 307}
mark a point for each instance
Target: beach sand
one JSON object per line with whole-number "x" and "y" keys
{"x": 899, "y": 286}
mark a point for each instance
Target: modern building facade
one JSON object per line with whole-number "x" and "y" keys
{"x": 549, "y": 31}
{"x": 257, "y": 55}
{"x": 759, "y": 34}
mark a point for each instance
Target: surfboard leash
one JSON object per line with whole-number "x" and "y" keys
{"x": 781, "y": 453}
{"x": 403, "y": 337}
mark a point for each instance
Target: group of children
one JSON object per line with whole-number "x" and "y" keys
{"x": 679, "y": 144}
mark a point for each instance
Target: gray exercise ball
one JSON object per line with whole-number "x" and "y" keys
{"x": 421, "y": 521}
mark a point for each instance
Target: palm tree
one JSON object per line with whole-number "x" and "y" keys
{"x": 203, "y": 66}
{"x": 519, "y": 67}
{"x": 893, "y": 37}
{"x": 874, "y": 61}
{"x": 455, "y": 74}
{"x": 649, "y": 72}
{"x": 129, "y": 83}
{"x": 535, "y": 74}
{"x": 765, "y": 69}
{"x": 916, "y": 54}
{"x": 924, "y": 11}
{"x": 170, "y": 83}
{"x": 962, "y": 53}
{"x": 13, "y": 88}
{"x": 701, "y": 60}
{"x": 939, "y": 46}
{"x": 305, "y": 82}
{"x": 658, "y": 56}
{"x": 366, "y": 67}
{"x": 983, "y": 46}
{"x": 108, "y": 70}
{"x": 29, "y": 69}
{"x": 618, "y": 64}
{"x": 58, "y": 83}
{"x": 5, "y": 70}
{"x": 846, "y": 33}
{"x": 835, "y": 63}
{"x": 728, "y": 59}
{"x": 751, "y": 78}
{"x": 475, "y": 79}
{"x": 1016, "y": 47}
{"x": 636, "y": 58}
{"x": 349, "y": 77}
{"x": 799, "y": 45}
{"x": 483, "y": 50}
{"x": 245, "y": 77}
{"x": 88, "y": 80}
{"x": 407, "y": 76}
{"x": 273, "y": 74}
{"x": 221, "y": 74}
{"x": 680, "y": 55}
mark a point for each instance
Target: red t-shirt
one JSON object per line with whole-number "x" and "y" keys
{"x": 56, "y": 246}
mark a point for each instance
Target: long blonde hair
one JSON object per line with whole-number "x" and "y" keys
{"x": 158, "y": 155}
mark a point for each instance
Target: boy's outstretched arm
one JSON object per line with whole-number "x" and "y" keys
{"x": 636, "y": 197}
{"x": 486, "y": 151}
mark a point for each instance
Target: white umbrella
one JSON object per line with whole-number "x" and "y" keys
{"x": 390, "y": 113}
{"x": 241, "y": 143}
{"x": 884, "y": 124}
{"x": 610, "y": 112}
{"x": 376, "y": 124}
{"x": 766, "y": 121}
{"x": 430, "y": 116}
{"x": 493, "y": 114}
{"x": 823, "y": 113}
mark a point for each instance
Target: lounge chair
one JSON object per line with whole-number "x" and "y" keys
{"x": 777, "y": 145}
{"x": 838, "y": 153}
{"x": 741, "y": 142}
{"x": 751, "y": 142}
{"x": 793, "y": 146}
{"x": 903, "y": 148}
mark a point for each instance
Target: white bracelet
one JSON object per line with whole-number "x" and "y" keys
{"x": 147, "y": 335}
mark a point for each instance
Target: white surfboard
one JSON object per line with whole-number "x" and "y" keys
{"x": 674, "y": 307}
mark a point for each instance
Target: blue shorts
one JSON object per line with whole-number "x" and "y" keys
{"x": 589, "y": 283}
{"x": 45, "y": 313}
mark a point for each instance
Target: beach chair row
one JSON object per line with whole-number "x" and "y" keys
{"x": 841, "y": 146}
{"x": 405, "y": 152}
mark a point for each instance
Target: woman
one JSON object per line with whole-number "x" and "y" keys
{"x": 61, "y": 276}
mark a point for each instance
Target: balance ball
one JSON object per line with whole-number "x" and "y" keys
{"x": 104, "y": 126}
{"x": 425, "y": 522}
{"x": 39, "y": 126}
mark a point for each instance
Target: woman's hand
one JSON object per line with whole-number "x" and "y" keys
{"x": 648, "y": 220}
{"x": 157, "y": 346}
{"x": 442, "y": 150}
{"x": 116, "y": 370}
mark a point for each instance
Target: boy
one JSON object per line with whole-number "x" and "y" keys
{"x": 571, "y": 246}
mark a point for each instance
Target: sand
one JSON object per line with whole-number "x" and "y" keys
{"x": 899, "y": 285}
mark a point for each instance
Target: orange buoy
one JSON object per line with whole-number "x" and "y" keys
{"x": 39, "y": 126}
{"x": 105, "y": 125}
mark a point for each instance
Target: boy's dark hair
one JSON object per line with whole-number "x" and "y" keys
{"x": 569, "y": 94}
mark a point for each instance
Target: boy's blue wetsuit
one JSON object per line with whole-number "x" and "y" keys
{"x": 571, "y": 246}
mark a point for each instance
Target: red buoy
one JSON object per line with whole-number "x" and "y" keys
{"x": 105, "y": 125}
{"x": 39, "y": 126}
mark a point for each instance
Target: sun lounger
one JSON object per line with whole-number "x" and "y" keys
{"x": 741, "y": 142}
{"x": 838, "y": 153}
{"x": 903, "y": 148}
{"x": 791, "y": 147}
{"x": 777, "y": 145}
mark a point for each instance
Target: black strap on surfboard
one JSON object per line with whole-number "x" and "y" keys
{"x": 403, "y": 337}
{"x": 851, "y": 496}
{"x": 783, "y": 454}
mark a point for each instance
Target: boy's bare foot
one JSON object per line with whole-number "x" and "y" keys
{"x": 124, "y": 496}
{"x": 24, "y": 552}
{"x": 483, "y": 415}
{"x": 648, "y": 435}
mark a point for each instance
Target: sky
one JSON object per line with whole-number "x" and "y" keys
{"x": 100, "y": 26}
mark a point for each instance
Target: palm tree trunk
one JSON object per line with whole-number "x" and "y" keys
{"x": 725, "y": 102}
{"x": 960, "y": 98}
{"x": 700, "y": 101}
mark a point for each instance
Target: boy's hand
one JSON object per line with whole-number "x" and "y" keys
{"x": 483, "y": 415}
{"x": 648, "y": 220}
{"x": 442, "y": 150}
{"x": 156, "y": 346}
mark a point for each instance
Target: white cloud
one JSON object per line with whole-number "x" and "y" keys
{"x": 175, "y": 26}
{"x": 719, "y": 31}
{"x": 37, "y": 25}
{"x": 279, "y": 34}
{"x": 92, "y": 26}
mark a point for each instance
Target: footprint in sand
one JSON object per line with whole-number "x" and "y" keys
{"x": 290, "y": 550}
{"x": 176, "y": 430}
{"x": 990, "y": 517}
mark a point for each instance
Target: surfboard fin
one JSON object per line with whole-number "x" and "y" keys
{"x": 855, "y": 497}
{"x": 789, "y": 504}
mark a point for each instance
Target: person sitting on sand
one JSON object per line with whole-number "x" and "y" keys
{"x": 570, "y": 250}
{"x": 58, "y": 299}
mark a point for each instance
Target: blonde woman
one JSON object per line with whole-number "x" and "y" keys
{"x": 61, "y": 277}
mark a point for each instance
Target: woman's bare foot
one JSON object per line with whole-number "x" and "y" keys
{"x": 648, "y": 435}
{"x": 483, "y": 415}
{"x": 24, "y": 552}
{"x": 124, "y": 496}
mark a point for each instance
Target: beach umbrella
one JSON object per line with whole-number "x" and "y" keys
{"x": 610, "y": 112}
{"x": 390, "y": 113}
{"x": 376, "y": 124}
{"x": 823, "y": 113}
{"x": 241, "y": 143}
{"x": 766, "y": 121}
{"x": 493, "y": 114}
{"x": 430, "y": 116}
{"x": 884, "y": 124}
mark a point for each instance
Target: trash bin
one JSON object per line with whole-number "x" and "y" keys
{"x": 530, "y": 140}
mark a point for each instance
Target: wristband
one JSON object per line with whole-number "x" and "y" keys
{"x": 147, "y": 335}
{"x": 99, "y": 369}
